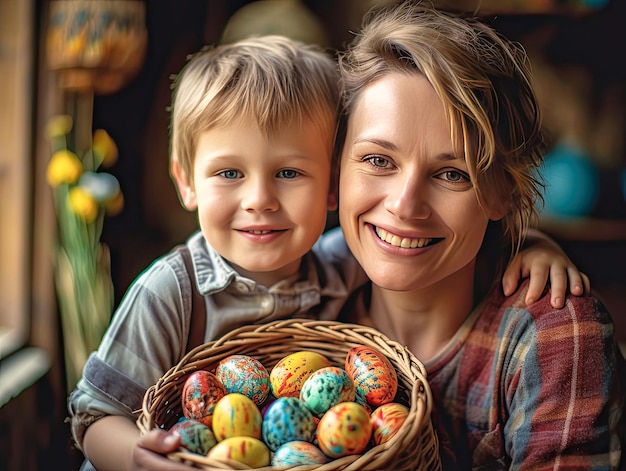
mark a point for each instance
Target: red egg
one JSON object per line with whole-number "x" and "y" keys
{"x": 374, "y": 376}
{"x": 201, "y": 391}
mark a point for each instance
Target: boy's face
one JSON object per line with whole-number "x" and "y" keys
{"x": 262, "y": 201}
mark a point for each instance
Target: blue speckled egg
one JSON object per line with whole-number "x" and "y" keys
{"x": 326, "y": 387}
{"x": 195, "y": 436}
{"x": 298, "y": 453}
{"x": 245, "y": 375}
{"x": 287, "y": 419}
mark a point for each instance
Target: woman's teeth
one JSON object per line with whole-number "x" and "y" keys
{"x": 398, "y": 241}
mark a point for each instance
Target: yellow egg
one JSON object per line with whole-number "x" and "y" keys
{"x": 246, "y": 450}
{"x": 236, "y": 415}
{"x": 344, "y": 430}
{"x": 290, "y": 373}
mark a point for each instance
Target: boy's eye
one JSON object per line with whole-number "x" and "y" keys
{"x": 288, "y": 173}
{"x": 230, "y": 174}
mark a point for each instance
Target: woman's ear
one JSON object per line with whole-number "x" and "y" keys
{"x": 499, "y": 209}
{"x": 184, "y": 185}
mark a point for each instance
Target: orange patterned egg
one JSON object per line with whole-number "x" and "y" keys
{"x": 373, "y": 374}
{"x": 387, "y": 420}
{"x": 344, "y": 430}
{"x": 236, "y": 415}
{"x": 201, "y": 392}
{"x": 290, "y": 373}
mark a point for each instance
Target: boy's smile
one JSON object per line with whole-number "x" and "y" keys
{"x": 262, "y": 199}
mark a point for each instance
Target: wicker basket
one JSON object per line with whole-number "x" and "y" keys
{"x": 414, "y": 447}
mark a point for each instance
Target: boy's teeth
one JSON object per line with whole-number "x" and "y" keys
{"x": 398, "y": 241}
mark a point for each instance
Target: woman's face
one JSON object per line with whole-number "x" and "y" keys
{"x": 407, "y": 207}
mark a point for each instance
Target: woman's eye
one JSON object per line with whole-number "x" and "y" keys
{"x": 454, "y": 176}
{"x": 378, "y": 161}
{"x": 230, "y": 174}
{"x": 288, "y": 173}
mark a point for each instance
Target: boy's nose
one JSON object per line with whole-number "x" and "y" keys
{"x": 260, "y": 196}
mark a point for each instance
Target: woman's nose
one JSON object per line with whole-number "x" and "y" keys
{"x": 408, "y": 199}
{"x": 259, "y": 195}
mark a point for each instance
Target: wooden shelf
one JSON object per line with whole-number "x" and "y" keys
{"x": 585, "y": 229}
{"x": 503, "y": 7}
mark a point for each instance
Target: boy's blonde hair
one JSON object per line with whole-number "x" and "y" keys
{"x": 272, "y": 79}
{"x": 485, "y": 84}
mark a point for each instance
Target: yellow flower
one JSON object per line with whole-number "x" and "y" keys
{"x": 104, "y": 147}
{"x": 115, "y": 205}
{"x": 64, "y": 167}
{"x": 83, "y": 204}
{"x": 59, "y": 125}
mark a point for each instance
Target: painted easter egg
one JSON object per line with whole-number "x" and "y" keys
{"x": 387, "y": 420}
{"x": 290, "y": 373}
{"x": 344, "y": 430}
{"x": 236, "y": 415}
{"x": 201, "y": 391}
{"x": 245, "y": 375}
{"x": 298, "y": 453}
{"x": 326, "y": 387}
{"x": 246, "y": 450}
{"x": 287, "y": 419}
{"x": 373, "y": 374}
{"x": 195, "y": 436}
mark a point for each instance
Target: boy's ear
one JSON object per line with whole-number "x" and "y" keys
{"x": 184, "y": 185}
{"x": 332, "y": 200}
{"x": 333, "y": 192}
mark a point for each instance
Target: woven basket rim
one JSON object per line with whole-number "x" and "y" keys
{"x": 332, "y": 338}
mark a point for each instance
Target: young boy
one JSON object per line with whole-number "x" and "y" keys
{"x": 253, "y": 125}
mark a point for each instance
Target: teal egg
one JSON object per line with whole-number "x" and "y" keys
{"x": 195, "y": 436}
{"x": 325, "y": 388}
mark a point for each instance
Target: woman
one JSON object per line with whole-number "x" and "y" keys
{"x": 439, "y": 158}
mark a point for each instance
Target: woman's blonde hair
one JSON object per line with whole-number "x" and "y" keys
{"x": 271, "y": 79}
{"x": 485, "y": 84}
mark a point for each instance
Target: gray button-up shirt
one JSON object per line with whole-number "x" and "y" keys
{"x": 149, "y": 330}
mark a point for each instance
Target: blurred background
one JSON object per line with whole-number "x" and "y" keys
{"x": 108, "y": 65}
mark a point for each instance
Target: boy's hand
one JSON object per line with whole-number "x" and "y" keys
{"x": 151, "y": 448}
{"x": 542, "y": 260}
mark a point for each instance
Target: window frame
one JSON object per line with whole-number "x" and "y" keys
{"x": 17, "y": 58}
